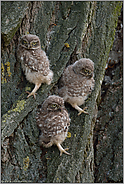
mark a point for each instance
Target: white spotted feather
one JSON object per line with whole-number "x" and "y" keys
{"x": 34, "y": 62}
{"x": 77, "y": 83}
{"x": 53, "y": 122}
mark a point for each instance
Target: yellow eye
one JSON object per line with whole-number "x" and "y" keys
{"x": 54, "y": 105}
{"x": 24, "y": 42}
{"x": 34, "y": 43}
{"x": 86, "y": 71}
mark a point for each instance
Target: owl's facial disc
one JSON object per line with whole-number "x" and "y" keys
{"x": 34, "y": 44}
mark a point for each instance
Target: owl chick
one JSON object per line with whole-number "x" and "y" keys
{"x": 77, "y": 82}
{"x": 53, "y": 121}
{"x": 34, "y": 62}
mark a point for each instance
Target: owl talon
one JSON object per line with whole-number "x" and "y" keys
{"x": 79, "y": 109}
{"x": 83, "y": 111}
{"x": 62, "y": 150}
{"x": 34, "y": 94}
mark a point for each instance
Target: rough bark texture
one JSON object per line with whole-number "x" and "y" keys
{"x": 108, "y": 131}
{"x": 89, "y": 29}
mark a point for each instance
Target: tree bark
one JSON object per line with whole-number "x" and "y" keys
{"x": 108, "y": 130}
{"x": 89, "y": 29}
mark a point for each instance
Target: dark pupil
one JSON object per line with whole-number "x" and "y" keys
{"x": 54, "y": 106}
{"x": 86, "y": 71}
{"x": 24, "y": 42}
{"x": 34, "y": 43}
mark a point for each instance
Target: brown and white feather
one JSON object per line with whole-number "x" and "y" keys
{"x": 74, "y": 86}
{"x": 54, "y": 123}
{"x": 34, "y": 61}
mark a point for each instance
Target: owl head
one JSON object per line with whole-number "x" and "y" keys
{"x": 84, "y": 67}
{"x": 53, "y": 103}
{"x": 30, "y": 41}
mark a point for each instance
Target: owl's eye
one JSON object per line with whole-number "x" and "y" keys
{"x": 86, "y": 71}
{"x": 34, "y": 43}
{"x": 24, "y": 42}
{"x": 53, "y": 107}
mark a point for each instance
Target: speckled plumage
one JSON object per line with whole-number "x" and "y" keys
{"x": 77, "y": 82}
{"x": 53, "y": 121}
{"x": 34, "y": 61}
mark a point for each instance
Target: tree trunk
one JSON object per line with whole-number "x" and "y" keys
{"x": 108, "y": 130}
{"x": 89, "y": 29}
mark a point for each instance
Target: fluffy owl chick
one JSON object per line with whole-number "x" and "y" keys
{"x": 53, "y": 121}
{"x": 34, "y": 62}
{"x": 77, "y": 82}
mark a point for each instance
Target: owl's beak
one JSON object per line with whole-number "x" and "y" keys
{"x": 61, "y": 109}
{"x": 91, "y": 75}
{"x": 29, "y": 46}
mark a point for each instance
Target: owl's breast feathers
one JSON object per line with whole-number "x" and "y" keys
{"x": 36, "y": 60}
{"x": 52, "y": 124}
{"x": 75, "y": 85}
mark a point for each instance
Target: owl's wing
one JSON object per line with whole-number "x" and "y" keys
{"x": 62, "y": 81}
{"x": 88, "y": 86}
{"x": 62, "y": 91}
{"x": 92, "y": 85}
{"x": 67, "y": 77}
{"x": 69, "y": 81}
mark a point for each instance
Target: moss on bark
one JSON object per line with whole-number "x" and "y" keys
{"x": 82, "y": 26}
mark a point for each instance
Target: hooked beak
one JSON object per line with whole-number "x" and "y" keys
{"x": 61, "y": 109}
{"x": 29, "y": 46}
{"x": 91, "y": 75}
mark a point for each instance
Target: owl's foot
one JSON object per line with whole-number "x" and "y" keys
{"x": 83, "y": 111}
{"x": 30, "y": 94}
{"x": 34, "y": 91}
{"x": 62, "y": 150}
{"x": 79, "y": 109}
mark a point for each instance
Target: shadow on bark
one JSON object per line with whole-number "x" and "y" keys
{"x": 89, "y": 29}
